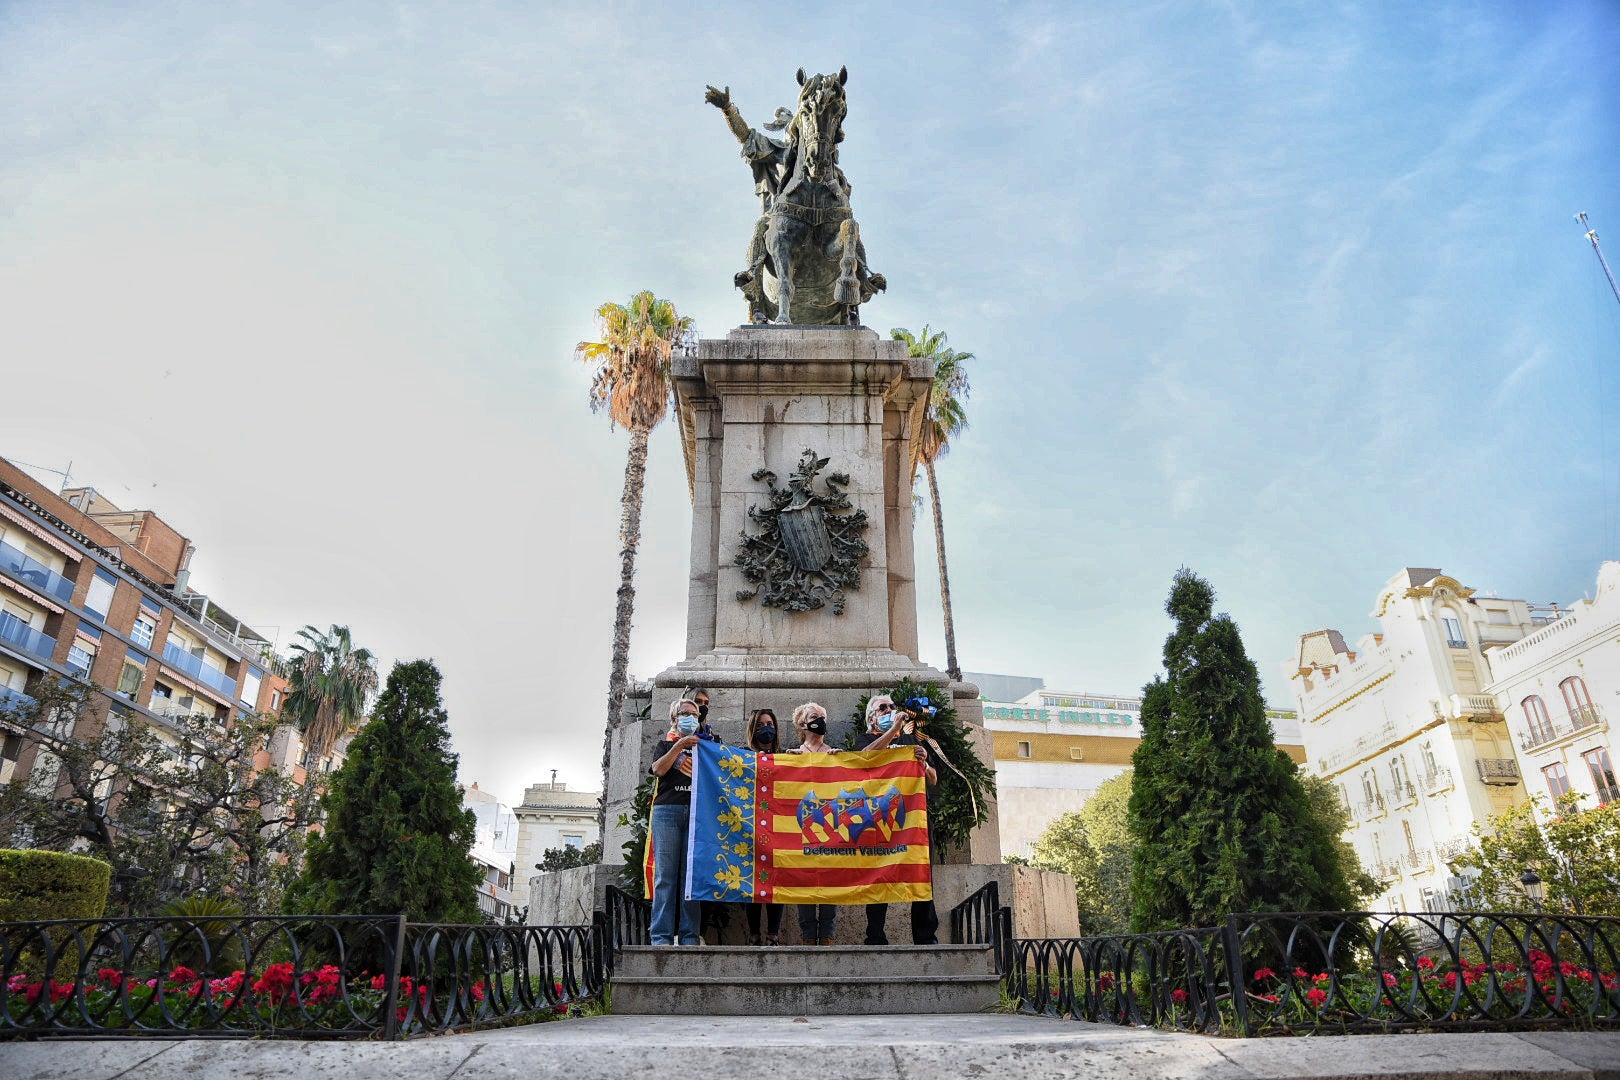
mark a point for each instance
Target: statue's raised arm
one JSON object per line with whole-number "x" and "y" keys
{"x": 806, "y": 263}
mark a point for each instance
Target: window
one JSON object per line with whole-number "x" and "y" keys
{"x": 144, "y": 630}
{"x": 275, "y": 699}
{"x": 251, "y": 678}
{"x": 98, "y": 600}
{"x": 1454, "y": 631}
{"x": 1411, "y": 845}
{"x": 10, "y": 753}
{"x": 129, "y": 681}
{"x": 1535, "y": 714}
{"x": 574, "y": 841}
{"x": 1024, "y": 750}
{"x": 1557, "y": 780}
{"x": 1578, "y": 702}
{"x": 80, "y": 657}
{"x": 1077, "y": 753}
{"x": 1602, "y": 774}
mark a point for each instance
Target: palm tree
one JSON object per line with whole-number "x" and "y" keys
{"x": 631, "y": 378}
{"x": 944, "y": 419}
{"x": 329, "y": 682}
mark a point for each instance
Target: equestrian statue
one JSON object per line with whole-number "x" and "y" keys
{"x": 806, "y": 263}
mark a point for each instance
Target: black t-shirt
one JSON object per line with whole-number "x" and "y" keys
{"x": 674, "y": 787}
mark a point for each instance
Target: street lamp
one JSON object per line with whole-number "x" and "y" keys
{"x": 1534, "y": 888}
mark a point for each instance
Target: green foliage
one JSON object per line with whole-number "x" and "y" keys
{"x": 397, "y": 838}
{"x": 328, "y": 684}
{"x": 961, "y": 800}
{"x": 1328, "y": 808}
{"x": 1575, "y": 852}
{"x": 564, "y": 858}
{"x": 1015, "y": 860}
{"x": 40, "y": 885}
{"x": 202, "y": 938}
{"x": 633, "y": 877}
{"x": 1094, "y": 845}
{"x": 176, "y": 808}
{"x": 1221, "y": 820}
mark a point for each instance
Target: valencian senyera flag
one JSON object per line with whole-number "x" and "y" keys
{"x": 848, "y": 828}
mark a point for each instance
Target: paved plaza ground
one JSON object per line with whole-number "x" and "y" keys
{"x": 828, "y": 1048}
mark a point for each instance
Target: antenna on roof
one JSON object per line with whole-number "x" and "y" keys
{"x": 1591, "y": 234}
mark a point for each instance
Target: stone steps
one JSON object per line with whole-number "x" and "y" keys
{"x": 804, "y": 980}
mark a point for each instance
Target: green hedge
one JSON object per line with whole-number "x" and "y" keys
{"x": 38, "y": 885}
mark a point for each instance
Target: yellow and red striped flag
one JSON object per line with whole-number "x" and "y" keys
{"x": 846, "y": 828}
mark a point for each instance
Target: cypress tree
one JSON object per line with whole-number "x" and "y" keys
{"x": 397, "y": 838}
{"x": 1221, "y": 820}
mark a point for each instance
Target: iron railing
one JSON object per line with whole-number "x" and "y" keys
{"x": 623, "y": 920}
{"x": 348, "y": 976}
{"x": 982, "y": 919}
{"x": 1335, "y": 972}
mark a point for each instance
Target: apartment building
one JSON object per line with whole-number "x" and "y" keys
{"x": 1055, "y": 748}
{"x": 551, "y": 816}
{"x": 1406, "y": 727}
{"x": 495, "y": 844}
{"x": 1558, "y": 688}
{"x": 93, "y": 592}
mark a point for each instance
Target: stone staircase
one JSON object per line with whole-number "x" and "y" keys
{"x": 801, "y": 980}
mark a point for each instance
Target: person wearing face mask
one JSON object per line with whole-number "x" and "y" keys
{"x": 816, "y": 921}
{"x": 762, "y": 737}
{"x": 888, "y": 726}
{"x": 675, "y": 920}
{"x": 700, "y": 696}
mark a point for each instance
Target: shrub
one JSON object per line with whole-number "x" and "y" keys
{"x": 38, "y": 885}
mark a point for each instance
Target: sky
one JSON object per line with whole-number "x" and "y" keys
{"x": 1288, "y": 293}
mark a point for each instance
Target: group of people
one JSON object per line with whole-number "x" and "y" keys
{"x": 678, "y": 921}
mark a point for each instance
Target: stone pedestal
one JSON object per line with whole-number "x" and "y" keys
{"x": 758, "y": 400}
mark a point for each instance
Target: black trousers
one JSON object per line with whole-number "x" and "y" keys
{"x": 924, "y": 923}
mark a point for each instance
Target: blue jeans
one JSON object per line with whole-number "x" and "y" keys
{"x": 669, "y": 880}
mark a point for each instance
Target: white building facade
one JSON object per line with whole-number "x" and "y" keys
{"x": 1559, "y": 688}
{"x": 1405, "y": 726}
{"x": 495, "y": 844}
{"x": 551, "y": 816}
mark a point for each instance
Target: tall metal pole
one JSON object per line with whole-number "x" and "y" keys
{"x": 1591, "y": 234}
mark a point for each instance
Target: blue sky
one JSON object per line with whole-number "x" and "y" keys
{"x": 1288, "y": 293}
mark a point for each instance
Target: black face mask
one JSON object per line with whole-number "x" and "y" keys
{"x": 703, "y": 713}
{"x": 764, "y": 738}
{"x": 818, "y": 725}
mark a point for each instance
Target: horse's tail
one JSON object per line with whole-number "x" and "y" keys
{"x": 848, "y": 289}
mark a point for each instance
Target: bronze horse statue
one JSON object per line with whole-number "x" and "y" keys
{"x": 806, "y": 262}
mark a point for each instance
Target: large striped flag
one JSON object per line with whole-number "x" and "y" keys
{"x": 807, "y": 828}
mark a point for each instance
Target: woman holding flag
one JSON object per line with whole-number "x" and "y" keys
{"x": 816, "y": 921}
{"x": 675, "y": 920}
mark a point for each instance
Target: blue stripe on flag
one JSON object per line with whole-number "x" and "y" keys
{"x": 720, "y": 835}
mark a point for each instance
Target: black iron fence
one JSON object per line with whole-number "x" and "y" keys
{"x": 623, "y": 920}
{"x": 1299, "y": 973}
{"x": 982, "y": 919}
{"x": 334, "y": 976}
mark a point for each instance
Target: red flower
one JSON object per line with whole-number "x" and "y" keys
{"x": 230, "y": 987}
{"x": 1323, "y": 979}
{"x": 1301, "y": 973}
{"x": 31, "y": 992}
{"x": 1425, "y": 964}
{"x": 1265, "y": 973}
{"x": 183, "y": 975}
{"x": 1390, "y": 979}
{"x": 478, "y": 991}
{"x": 275, "y": 983}
{"x": 1178, "y": 996}
{"x": 111, "y": 976}
{"x": 1267, "y": 997}
{"x": 1316, "y": 996}
{"x": 324, "y": 985}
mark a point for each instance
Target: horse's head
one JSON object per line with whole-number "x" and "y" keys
{"x": 819, "y": 123}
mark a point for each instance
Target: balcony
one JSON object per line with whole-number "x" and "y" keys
{"x": 1400, "y": 795}
{"x": 1420, "y": 859}
{"x": 1479, "y": 708}
{"x": 1436, "y": 782}
{"x": 1385, "y": 871}
{"x": 1497, "y": 771}
{"x": 19, "y": 635}
{"x": 1581, "y": 718}
{"x": 1450, "y": 850}
{"x": 14, "y": 699}
{"x": 187, "y": 664}
{"x": 35, "y": 574}
{"x": 1372, "y": 807}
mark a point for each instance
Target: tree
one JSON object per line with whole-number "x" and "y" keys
{"x": 397, "y": 838}
{"x": 1221, "y": 820}
{"x": 328, "y": 685}
{"x": 630, "y": 377}
{"x": 177, "y": 809}
{"x": 1575, "y": 852}
{"x": 1328, "y": 807}
{"x": 944, "y": 419}
{"x": 1094, "y": 846}
{"x": 565, "y": 858}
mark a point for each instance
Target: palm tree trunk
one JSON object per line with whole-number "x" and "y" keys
{"x": 635, "y": 480}
{"x": 951, "y": 666}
